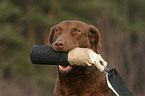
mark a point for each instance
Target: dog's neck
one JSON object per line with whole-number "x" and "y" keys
{"x": 83, "y": 78}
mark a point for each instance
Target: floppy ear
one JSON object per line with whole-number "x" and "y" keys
{"x": 51, "y": 35}
{"x": 94, "y": 37}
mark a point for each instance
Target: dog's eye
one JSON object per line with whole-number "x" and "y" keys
{"x": 57, "y": 30}
{"x": 77, "y": 30}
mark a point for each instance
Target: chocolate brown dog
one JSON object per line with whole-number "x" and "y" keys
{"x": 77, "y": 80}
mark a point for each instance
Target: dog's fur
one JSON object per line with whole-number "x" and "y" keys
{"x": 78, "y": 81}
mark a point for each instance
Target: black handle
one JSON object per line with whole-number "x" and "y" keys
{"x": 45, "y": 55}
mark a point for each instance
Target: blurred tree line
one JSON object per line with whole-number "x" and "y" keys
{"x": 24, "y": 23}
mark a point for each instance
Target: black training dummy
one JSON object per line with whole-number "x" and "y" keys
{"x": 41, "y": 54}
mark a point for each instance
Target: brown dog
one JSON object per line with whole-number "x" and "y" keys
{"x": 77, "y": 80}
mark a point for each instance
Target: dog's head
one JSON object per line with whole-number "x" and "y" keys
{"x": 70, "y": 34}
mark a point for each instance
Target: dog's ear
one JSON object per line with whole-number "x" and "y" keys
{"x": 51, "y": 35}
{"x": 94, "y": 37}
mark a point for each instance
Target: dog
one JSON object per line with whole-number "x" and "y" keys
{"x": 77, "y": 80}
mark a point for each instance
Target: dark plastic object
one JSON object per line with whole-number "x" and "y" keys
{"x": 45, "y": 55}
{"x": 118, "y": 84}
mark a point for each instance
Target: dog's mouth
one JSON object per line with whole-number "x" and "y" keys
{"x": 65, "y": 69}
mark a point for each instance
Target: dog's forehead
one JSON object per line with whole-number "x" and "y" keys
{"x": 72, "y": 24}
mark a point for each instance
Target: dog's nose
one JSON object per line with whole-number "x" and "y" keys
{"x": 59, "y": 44}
